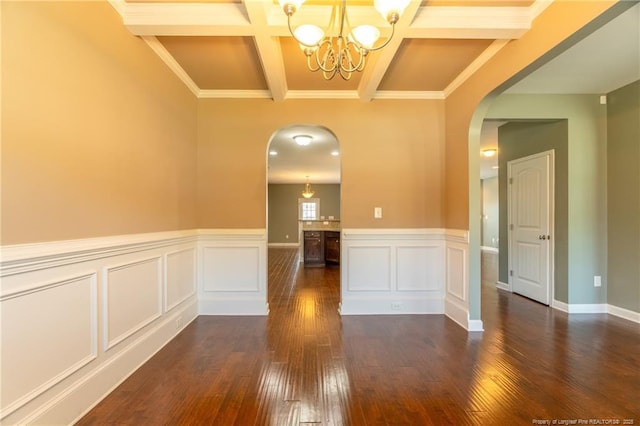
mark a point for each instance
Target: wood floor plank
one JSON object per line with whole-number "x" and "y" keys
{"x": 306, "y": 365}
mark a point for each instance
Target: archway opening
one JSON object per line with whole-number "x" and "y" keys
{"x": 304, "y": 158}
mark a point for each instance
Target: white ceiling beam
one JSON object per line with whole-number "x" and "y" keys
{"x": 184, "y": 19}
{"x": 230, "y": 19}
{"x": 373, "y": 73}
{"x": 269, "y": 50}
{"x": 474, "y": 66}
{"x": 170, "y": 61}
{"x": 470, "y": 22}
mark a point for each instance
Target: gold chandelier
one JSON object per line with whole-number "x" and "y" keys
{"x": 340, "y": 49}
{"x": 307, "y": 193}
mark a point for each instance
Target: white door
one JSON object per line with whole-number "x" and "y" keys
{"x": 530, "y": 199}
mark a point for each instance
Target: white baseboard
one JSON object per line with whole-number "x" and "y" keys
{"x": 503, "y": 286}
{"x": 386, "y": 306}
{"x": 597, "y": 308}
{"x": 580, "y": 308}
{"x": 456, "y": 312}
{"x": 475, "y": 325}
{"x": 228, "y": 306}
{"x": 460, "y": 315}
{"x": 624, "y": 313}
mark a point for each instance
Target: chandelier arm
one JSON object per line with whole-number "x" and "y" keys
{"x": 328, "y": 54}
{"x": 338, "y": 59}
{"x": 353, "y": 67}
{"x": 310, "y": 66}
{"x": 386, "y": 42}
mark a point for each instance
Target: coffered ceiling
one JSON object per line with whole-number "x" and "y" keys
{"x": 235, "y": 49}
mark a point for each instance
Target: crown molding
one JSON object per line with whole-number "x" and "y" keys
{"x": 318, "y": 94}
{"x": 395, "y": 94}
{"x": 234, "y": 94}
{"x": 322, "y": 94}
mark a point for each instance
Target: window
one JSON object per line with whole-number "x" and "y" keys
{"x": 308, "y": 208}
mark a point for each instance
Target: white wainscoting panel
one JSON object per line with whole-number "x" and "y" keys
{"x": 392, "y": 271}
{"x": 456, "y": 262}
{"x": 132, "y": 298}
{"x": 457, "y": 279}
{"x": 43, "y": 346}
{"x": 233, "y": 272}
{"x": 368, "y": 268}
{"x": 231, "y": 269}
{"x": 180, "y": 276}
{"x": 59, "y": 299}
{"x": 419, "y": 268}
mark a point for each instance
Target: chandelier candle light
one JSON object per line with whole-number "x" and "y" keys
{"x": 343, "y": 51}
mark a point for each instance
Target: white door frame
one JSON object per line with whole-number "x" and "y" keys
{"x": 551, "y": 213}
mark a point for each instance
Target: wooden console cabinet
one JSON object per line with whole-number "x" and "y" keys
{"x": 332, "y": 246}
{"x": 321, "y": 247}
{"x": 313, "y": 248}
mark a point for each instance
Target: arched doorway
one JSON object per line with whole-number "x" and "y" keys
{"x": 304, "y": 158}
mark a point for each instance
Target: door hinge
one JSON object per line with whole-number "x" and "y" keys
{"x": 511, "y": 272}
{"x": 510, "y": 180}
{"x": 511, "y": 226}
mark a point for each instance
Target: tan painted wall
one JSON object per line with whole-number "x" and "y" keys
{"x": 554, "y": 25}
{"x": 98, "y": 135}
{"x": 392, "y": 157}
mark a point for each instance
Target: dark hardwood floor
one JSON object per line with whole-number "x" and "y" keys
{"x": 304, "y": 364}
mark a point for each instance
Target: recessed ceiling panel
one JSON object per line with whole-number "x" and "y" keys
{"x": 299, "y": 77}
{"x": 430, "y": 64}
{"x": 218, "y": 63}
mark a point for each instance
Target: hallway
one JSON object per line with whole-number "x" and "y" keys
{"x": 304, "y": 364}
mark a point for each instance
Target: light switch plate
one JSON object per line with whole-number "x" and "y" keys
{"x": 377, "y": 212}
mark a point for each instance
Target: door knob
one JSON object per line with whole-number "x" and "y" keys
{"x": 542, "y": 237}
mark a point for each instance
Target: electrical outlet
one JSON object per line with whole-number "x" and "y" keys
{"x": 178, "y": 322}
{"x": 396, "y": 306}
{"x": 597, "y": 281}
{"x": 286, "y": 237}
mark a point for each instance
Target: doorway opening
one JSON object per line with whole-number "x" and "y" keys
{"x": 304, "y": 198}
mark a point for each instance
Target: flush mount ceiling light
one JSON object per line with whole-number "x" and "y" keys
{"x": 307, "y": 193}
{"x": 302, "y": 140}
{"x": 335, "y": 153}
{"x": 340, "y": 49}
{"x": 489, "y": 152}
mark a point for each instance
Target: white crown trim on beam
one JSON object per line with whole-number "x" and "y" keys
{"x": 269, "y": 50}
{"x": 215, "y": 19}
{"x": 168, "y": 59}
{"x": 373, "y": 73}
{"x": 265, "y": 22}
{"x": 474, "y": 66}
{"x": 470, "y": 22}
{"x": 220, "y": 19}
